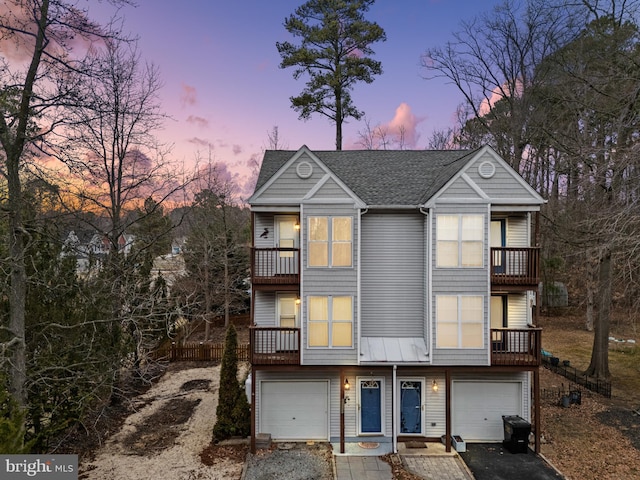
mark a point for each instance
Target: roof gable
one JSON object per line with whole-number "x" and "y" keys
{"x": 491, "y": 179}
{"x": 393, "y": 178}
{"x": 297, "y": 177}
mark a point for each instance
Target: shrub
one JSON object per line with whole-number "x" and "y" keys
{"x": 232, "y": 414}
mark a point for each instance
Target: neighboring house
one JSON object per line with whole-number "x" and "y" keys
{"x": 91, "y": 248}
{"x": 394, "y": 296}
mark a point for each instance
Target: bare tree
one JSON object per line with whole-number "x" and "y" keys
{"x": 35, "y": 87}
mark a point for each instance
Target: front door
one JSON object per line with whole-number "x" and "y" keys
{"x": 411, "y": 407}
{"x": 370, "y": 406}
{"x": 287, "y": 237}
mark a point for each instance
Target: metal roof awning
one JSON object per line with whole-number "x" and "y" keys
{"x": 393, "y": 350}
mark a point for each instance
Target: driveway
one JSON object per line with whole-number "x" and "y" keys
{"x": 491, "y": 461}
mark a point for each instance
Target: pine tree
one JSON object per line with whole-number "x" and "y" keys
{"x": 232, "y": 413}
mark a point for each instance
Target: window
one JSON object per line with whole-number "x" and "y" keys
{"x": 459, "y": 321}
{"x": 459, "y": 241}
{"x": 330, "y": 240}
{"x": 330, "y": 321}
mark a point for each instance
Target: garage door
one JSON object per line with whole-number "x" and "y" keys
{"x": 295, "y": 410}
{"x": 478, "y": 408}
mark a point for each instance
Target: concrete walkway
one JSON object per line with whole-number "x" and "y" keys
{"x": 430, "y": 463}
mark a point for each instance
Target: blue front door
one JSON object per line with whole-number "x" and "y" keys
{"x": 411, "y": 407}
{"x": 370, "y": 406}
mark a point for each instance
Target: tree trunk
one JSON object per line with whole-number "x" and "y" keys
{"x": 599, "y": 366}
{"x": 590, "y": 314}
{"x": 18, "y": 289}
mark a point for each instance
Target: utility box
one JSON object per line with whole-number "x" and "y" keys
{"x": 516, "y": 433}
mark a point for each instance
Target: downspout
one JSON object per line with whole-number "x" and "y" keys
{"x": 358, "y": 281}
{"x": 394, "y": 403}
{"x": 342, "y": 402}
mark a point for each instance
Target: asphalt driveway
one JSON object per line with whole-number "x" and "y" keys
{"x": 491, "y": 461}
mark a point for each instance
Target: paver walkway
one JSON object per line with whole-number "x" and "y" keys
{"x": 362, "y": 468}
{"x": 436, "y": 468}
{"x": 431, "y": 463}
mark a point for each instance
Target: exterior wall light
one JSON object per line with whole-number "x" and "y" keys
{"x": 434, "y": 386}
{"x": 346, "y": 384}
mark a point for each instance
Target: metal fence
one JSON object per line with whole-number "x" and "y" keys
{"x": 598, "y": 385}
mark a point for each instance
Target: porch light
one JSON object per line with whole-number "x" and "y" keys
{"x": 296, "y": 226}
{"x": 346, "y": 384}
{"x": 297, "y": 301}
{"x": 434, "y": 386}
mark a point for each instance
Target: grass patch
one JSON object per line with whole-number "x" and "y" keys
{"x": 566, "y": 338}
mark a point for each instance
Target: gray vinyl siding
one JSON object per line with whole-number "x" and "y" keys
{"x": 392, "y": 275}
{"x": 460, "y": 189}
{"x": 260, "y": 222}
{"x": 264, "y": 311}
{"x": 290, "y": 186}
{"x": 329, "y": 281}
{"x": 460, "y": 281}
{"x": 330, "y": 190}
{"x": 435, "y": 407}
{"x": 502, "y": 185}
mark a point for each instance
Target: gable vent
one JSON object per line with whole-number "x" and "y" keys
{"x": 486, "y": 169}
{"x": 304, "y": 169}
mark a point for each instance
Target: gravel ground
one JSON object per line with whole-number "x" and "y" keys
{"x": 291, "y": 462}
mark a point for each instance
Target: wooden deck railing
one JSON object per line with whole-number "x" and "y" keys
{"x": 517, "y": 266}
{"x": 519, "y": 347}
{"x": 197, "y": 352}
{"x": 274, "y": 346}
{"x": 275, "y": 266}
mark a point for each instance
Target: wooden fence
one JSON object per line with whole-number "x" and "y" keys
{"x": 197, "y": 352}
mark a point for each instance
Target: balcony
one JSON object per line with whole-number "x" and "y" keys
{"x": 515, "y": 266}
{"x": 274, "y": 346}
{"x": 278, "y": 268}
{"x": 516, "y": 347}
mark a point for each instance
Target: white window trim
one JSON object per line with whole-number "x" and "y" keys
{"x": 459, "y": 323}
{"x": 460, "y": 240}
{"x": 330, "y": 241}
{"x": 330, "y": 322}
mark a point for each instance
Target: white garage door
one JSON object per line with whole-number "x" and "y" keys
{"x": 478, "y": 408}
{"x": 295, "y": 410}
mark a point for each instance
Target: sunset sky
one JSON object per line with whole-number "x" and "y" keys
{"x": 225, "y": 92}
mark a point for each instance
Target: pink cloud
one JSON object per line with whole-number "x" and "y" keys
{"x": 188, "y": 97}
{"x": 403, "y": 127}
{"x": 237, "y": 149}
{"x": 198, "y": 121}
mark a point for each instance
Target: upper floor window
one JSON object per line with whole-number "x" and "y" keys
{"x": 459, "y": 321}
{"x": 330, "y": 321}
{"x": 459, "y": 240}
{"x": 330, "y": 242}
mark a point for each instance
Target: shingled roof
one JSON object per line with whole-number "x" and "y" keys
{"x": 382, "y": 177}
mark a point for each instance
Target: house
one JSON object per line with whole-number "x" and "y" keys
{"x": 91, "y": 248}
{"x": 394, "y": 297}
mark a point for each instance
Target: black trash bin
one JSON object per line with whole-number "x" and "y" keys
{"x": 516, "y": 433}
